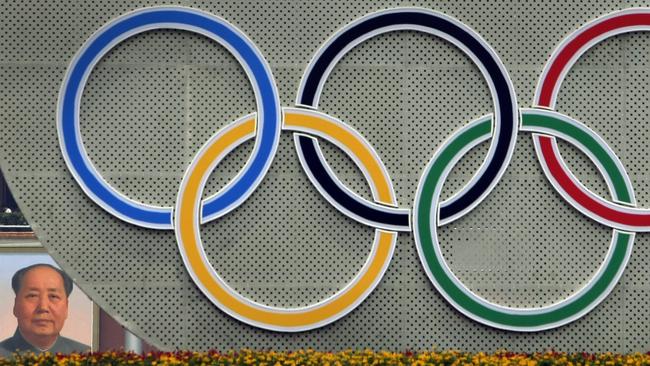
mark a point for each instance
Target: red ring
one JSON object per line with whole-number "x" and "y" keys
{"x": 608, "y": 213}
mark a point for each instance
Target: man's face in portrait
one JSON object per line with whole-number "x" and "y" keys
{"x": 41, "y": 305}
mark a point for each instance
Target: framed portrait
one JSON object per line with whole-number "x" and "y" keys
{"x": 81, "y": 324}
{"x": 20, "y": 248}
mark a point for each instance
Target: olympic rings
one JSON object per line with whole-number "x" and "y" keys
{"x": 613, "y": 214}
{"x": 426, "y": 220}
{"x": 116, "y": 31}
{"x": 450, "y": 29}
{"x": 382, "y": 213}
{"x": 187, "y": 217}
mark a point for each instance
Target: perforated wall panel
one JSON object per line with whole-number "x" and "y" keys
{"x": 156, "y": 98}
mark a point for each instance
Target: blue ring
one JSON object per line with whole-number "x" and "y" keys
{"x": 269, "y": 123}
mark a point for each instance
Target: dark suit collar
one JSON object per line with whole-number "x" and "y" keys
{"x": 22, "y": 344}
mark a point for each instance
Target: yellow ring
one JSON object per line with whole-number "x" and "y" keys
{"x": 187, "y": 220}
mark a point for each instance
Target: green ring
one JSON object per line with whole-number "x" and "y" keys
{"x": 425, "y": 221}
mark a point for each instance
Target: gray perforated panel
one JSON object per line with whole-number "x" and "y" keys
{"x": 157, "y": 97}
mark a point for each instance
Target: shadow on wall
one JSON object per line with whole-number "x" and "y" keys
{"x": 112, "y": 335}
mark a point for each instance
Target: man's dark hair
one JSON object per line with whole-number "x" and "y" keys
{"x": 17, "y": 279}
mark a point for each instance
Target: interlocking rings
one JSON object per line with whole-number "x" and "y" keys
{"x": 383, "y": 214}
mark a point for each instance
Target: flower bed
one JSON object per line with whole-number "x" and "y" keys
{"x": 310, "y": 357}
